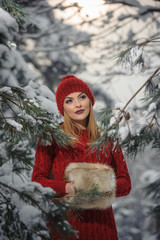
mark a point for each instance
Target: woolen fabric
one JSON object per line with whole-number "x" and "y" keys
{"x": 70, "y": 84}
{"x": 92, "y": 224}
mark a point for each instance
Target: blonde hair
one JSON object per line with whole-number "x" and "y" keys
{"x": 71, "y": 128}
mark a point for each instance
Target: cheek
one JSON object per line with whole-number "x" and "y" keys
{"x": 68, "y": 108}
{"x": 87, "y": 105}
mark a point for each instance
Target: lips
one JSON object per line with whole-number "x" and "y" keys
{"x": 80, "y": 111}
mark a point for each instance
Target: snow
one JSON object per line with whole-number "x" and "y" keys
{"x": 48, "y": 104}
{"x": 135, "y": 61}
{"x": 15, "y": 124}
{"x": 15, "y": 64}
{"x": 134, "y": 123}
{"x": 156, "y": 81}
{"x": 6, "y": 76}
{"x": 30, "y": 91}
{"x": 12, "y": 65}
{"x": 112, "y": 121}
{"x": 152, "y": 107}
{"x": 135, "y": 53}
{"x": 131, "y": 125}
{"x": 11, "y": 45}
{"x": 142, "y": 122}
{"x": 29, "y": 215}
{"x": 6, "y": 90}
{"x": 123, "y": 132}
{"x": 8, "y": 61}
{"x": 6, "y": 169}
{"x": 8, "y": 25}
{"x": 2, "y": 150}
{"x": 46, "y": 92}
{"x": 28, "y": 117}
{"x": 149, "y": 176}
{"x": 43, "y": 94}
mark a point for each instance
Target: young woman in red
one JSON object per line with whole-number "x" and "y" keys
{"x": 75, "y": 102}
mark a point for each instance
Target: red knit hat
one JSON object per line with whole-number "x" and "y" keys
{"x": 70, "y": 84}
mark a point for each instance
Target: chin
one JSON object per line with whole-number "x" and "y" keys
{"x": 80, "y": 118}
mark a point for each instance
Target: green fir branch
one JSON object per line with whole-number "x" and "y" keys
{"x": 134, "y": 144}
{"x": 15, "y": 10}
{"x": 50, "y": 210}
{"x": 153, "y": 189}
{"x": 34, "y": 119}
{"x": 130, "y": 45}
{"x": 150, "y": 134}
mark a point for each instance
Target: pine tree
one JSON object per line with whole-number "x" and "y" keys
{"x": 25, "y": 207}
{"x": 135, "y": 130}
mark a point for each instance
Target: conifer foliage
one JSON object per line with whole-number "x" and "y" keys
{"x": 25, "y": 206}
{"x": 135, "y": 130}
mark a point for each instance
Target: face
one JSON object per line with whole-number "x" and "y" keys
{"x": 77, "y": 107}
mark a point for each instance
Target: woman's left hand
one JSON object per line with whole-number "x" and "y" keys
{"x": 68, "y": 188}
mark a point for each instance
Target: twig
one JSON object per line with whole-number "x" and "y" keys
{"x": 11, "y": 101}
{"x": 3, "y": 115}
{"x": 152, "y": 39}
{"x": 157, "y": 121}
{"x": 118, "y": 119}
{"x": 24, "y": 194}
{"x": 12, "y": 109}
{"x": 148, "y": 80}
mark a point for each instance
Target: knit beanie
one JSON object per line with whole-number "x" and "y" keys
{"x": 70, "y": 84}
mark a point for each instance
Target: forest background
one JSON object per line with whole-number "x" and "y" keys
{"x": 114, "y": 46}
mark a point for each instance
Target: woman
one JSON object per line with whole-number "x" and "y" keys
{"x": 75, "y": 101}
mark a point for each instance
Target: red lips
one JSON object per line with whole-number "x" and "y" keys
{"x": 80, "y": 111}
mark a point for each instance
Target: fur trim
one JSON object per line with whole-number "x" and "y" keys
{"x": 93, "y": 185}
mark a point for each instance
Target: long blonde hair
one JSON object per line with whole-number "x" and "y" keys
{"x": 71, "y": 128}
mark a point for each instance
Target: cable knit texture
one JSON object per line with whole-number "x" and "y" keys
{"x": 92, "y": 224}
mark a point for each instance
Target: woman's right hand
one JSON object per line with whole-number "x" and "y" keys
{"x": 68, "y": 188}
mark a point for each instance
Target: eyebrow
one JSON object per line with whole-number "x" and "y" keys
{"x": 72, "y": 97}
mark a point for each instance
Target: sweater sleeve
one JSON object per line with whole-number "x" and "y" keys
{"x": 41, "y": 171}
{"x": 123, "y": 181}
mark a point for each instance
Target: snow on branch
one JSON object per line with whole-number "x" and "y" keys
{"x": 134, "y": 59}
{"x": 33, "y": 116}
{"x": 125, "y": 126}
{"x": 32, "y": 207}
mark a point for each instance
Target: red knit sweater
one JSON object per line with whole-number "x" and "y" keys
{"x": 93, "y": 224}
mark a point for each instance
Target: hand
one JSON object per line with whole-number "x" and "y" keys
{"x": 68, "y": 188}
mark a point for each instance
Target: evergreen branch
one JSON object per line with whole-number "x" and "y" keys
{"x": 152, "y": 39}
{"x": 150, "y": 123}
{"x": 24, "y": 195}
{"x": 4, "y": 197}
{"x": 133, "y": 144}
{"x": 153, "y": 188}
{"x": 10, "y": 100}
{"x": 31, "y": 117}
{"x": 81, "y": 197}
{"x": 12, "y": 109}
{"x": 14, "y": 10}
{"x": 3, "y": 115}
{"x": 148, "y": 80}
{"x": 157, "y": 121}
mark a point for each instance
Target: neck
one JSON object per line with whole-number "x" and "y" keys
{"x": 82, "y": 124}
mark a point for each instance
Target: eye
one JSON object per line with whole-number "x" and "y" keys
{"x": 83, "y": 96}
{"x": 68, "y": 101}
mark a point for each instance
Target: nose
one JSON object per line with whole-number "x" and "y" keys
{"x": 78, "y": 103}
